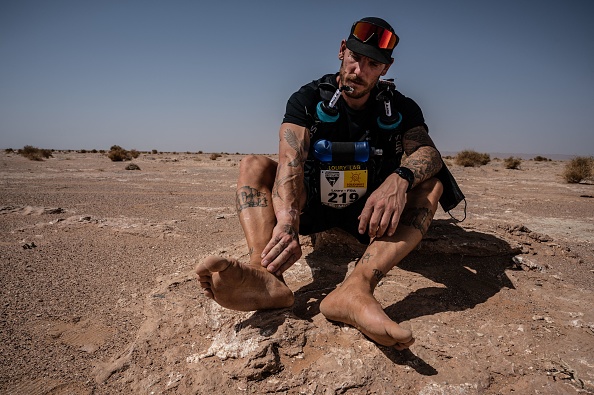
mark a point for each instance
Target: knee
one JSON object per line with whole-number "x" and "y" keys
{"x": 257, "y": 166}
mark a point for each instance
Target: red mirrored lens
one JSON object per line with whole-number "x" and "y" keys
{"x": 385, "y": 38}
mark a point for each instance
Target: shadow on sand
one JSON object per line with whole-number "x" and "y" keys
{"x": 470, "y": 264}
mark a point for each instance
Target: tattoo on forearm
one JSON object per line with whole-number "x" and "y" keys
{"x": 296, "y": 144}
{"x": 250, "y": 197}
{"x": 282, "y": 181}
{"x": 417, "y": 217}
{"x": 423, "y": 166}
{"x": 415, "y": 138}
{"x": 422, "y": 159}
{"x": 377, "y": 274}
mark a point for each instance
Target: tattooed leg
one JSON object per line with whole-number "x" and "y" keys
{"x": 353, "y": 302}
{"x": 240, "y": 286}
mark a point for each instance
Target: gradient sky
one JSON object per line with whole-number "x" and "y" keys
{"x": 493, "y": 76}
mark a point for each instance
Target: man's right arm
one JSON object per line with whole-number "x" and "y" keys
{"x": 288, "y": 197}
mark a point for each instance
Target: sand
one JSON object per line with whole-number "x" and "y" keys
{"x": 98, "y": 294}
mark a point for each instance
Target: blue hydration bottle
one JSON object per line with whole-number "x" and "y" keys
{"x": 358, "y": 151}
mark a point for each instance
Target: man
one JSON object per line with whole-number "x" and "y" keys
{"x": 366, "y": 189}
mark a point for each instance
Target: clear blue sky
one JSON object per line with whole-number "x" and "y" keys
{"x": 494, "y": 76}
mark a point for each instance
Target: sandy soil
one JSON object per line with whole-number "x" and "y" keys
{"x": 98, "y": 294}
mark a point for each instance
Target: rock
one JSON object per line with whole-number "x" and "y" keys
{"x": 132, "y": 166}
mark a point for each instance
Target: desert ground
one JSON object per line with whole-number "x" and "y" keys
{"x": 98, "y": 293}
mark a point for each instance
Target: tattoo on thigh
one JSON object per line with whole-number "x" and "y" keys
{"x": 377, "y": 274}
{"x": 417, "y": 217}
{"x": 250, "y": 197}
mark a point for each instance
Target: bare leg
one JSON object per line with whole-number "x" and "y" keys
{"x": 237, "y": 285}
{"x": 353, "y": 302}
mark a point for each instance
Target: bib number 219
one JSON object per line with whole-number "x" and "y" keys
{"x": 342, "y": 198}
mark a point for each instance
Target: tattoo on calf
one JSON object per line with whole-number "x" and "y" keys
{"x": 377, "y": 274}
{"x": 417, "y": 217}
{"x": 365, "y": 258}
{"x": 250, "y": 197}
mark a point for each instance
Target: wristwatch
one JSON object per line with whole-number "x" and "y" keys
{"x": 407, "y": 174}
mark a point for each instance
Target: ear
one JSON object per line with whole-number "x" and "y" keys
{"x": 342, "y": 50}
{"x": 387, "y": 67}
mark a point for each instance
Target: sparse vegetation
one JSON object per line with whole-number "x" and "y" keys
{"x": 214, "y": 156}
{"x": 470, "y": 158}
{"x": 9, "y": 150}
{"x": 34, "y": 153}
{"x": 118, "y": 154}
{"x": 512, "y": 163}
{"x": 154, "y": 152}
{"x": 539, "y": 158}
{"x": 578, "y": 169}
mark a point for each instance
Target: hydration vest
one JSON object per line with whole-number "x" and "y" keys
{"x": 383, "y": 134}
{"x": 374, "y": 146}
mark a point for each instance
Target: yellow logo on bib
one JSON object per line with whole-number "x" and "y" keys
{"x": 355, "y": 179}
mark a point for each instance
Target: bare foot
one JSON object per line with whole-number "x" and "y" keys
{"x": 356, "y": 306}
{"x": 243, "y": 287}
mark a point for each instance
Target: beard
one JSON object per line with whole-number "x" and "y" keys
{"x": 360, "y": 87}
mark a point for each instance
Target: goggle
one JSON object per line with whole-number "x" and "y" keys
{"x": 363, "y": 31}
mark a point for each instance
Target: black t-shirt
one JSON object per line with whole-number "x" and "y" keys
{"x": 301, "y": 108}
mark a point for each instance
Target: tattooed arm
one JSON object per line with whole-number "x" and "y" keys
{"x": 288, "y": 197}
{"x": 422, "y": 158}
{"x": 384, "y": 206}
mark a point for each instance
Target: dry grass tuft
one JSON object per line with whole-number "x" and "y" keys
{"x": 512, "y": 163}
{"x": 470, "y": 158}
{"x": 33, "y": 153}
{"x": 578, "y": 169}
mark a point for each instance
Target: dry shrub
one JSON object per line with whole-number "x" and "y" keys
{"x": 578, "y": 169}
{"x": 134, "y": 153}
{"x": 512, "y": 163}
{"x": 539, "y": 158}
{"x": 470, "y": 158}
{"x": 118, "y": 154}
{"x": 215, "y": 156}
{"x": 34, "y": 153}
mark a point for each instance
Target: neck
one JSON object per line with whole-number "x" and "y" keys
{"x": 355, "y": 104}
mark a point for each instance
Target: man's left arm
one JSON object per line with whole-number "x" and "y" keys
{"x": 384, "y": 206}
{"x": 422, "y": 158}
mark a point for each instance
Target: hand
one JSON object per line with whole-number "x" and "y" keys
{"x": 283, "y": 250}
{"x": 383, "y": 207}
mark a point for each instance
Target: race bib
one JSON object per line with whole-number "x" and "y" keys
{"x": 342, "y": 185}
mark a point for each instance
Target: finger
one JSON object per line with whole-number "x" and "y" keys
{"x": 385, "y": 222}
{"x": 364, "y": 219}
{"x": 393, "y": 224}
{"x": 282, "y": 258}
{"x": 269, "y": 253}
{"x": 290, "y": 262}
{"x": 374, "y": 222}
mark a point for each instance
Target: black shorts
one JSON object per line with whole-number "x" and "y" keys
{"x": 317, "y": 217}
